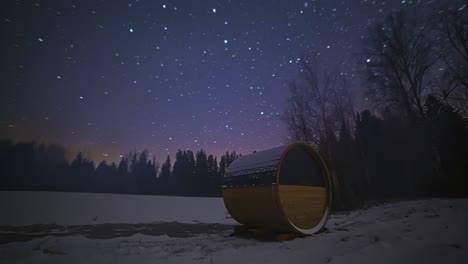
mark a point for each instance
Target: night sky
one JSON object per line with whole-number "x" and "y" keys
{"x": 108, "y": 77}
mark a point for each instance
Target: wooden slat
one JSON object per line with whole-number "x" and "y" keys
{"x": 258, "y": 206}
{"x": 303, "y": 205}
{"x": 255, "y": 206}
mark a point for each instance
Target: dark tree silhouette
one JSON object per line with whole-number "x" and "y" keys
{"x": 399, "y": 56}
{"x": 82, "y": 172}
{"x": 213, "y": 181}
{"x": 449, "y": 139}
{"x": 200, "y": 179}
{"x": 31, "y": 166}
{"x": 311, "y": 114}
{"x": 404, "y": 147}
{"x": 165, "y": 176}
{"x": 454, "y": 36}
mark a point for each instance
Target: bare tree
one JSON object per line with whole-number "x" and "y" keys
{"x": 455, "y": 35}
{"x": 319, "y": 107}
{"x": 312, "y": 114}
{"x": 343, "y": 105}
{"x": 400, "y": 54}
{"x": 296, "y": 116}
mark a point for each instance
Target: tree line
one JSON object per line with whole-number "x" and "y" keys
{"x": 411, "y": 139}
{"x": 40, "y": 167}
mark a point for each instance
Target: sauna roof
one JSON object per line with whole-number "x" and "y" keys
{"x": 257, "y": 160}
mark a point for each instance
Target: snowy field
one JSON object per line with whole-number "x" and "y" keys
{"x": 105, "y": 228}
{"x": 28, "y": 208}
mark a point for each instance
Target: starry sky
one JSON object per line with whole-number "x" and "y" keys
{"x": 107, "y": 77}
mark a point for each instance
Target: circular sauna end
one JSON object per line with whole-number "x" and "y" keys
{"x": 284, "y": 189}
{"x": 303, "y": 188}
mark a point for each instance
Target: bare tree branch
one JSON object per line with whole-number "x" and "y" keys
{"x": 401, "y": 57}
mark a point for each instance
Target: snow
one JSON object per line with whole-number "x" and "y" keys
{"x": 260, "y": 159}
{"x": 31, "y": 208}
{"x": 423, "y": 231}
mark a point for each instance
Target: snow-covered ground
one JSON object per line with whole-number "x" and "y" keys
{"x": 425, "y": 231}
{"x": 28, "y": 208}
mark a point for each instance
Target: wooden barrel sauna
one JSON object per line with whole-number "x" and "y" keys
{"x": 286, "y": 189}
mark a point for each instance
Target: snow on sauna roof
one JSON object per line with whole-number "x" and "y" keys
{"x": 257, "y": 160}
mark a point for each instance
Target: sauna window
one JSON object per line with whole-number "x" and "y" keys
{"x": 300, "y": 167}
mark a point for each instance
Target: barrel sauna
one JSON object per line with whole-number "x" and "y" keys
{"x": 286, "y": 189}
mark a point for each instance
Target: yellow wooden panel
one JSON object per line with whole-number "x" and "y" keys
{"x": 304, "y": 206}
{"x": 255, "y": 206}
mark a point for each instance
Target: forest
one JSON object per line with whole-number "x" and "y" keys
{"x": 403, "y": 135}
{"x": 411, "y": 139}
{"x": 41, "y": 167}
